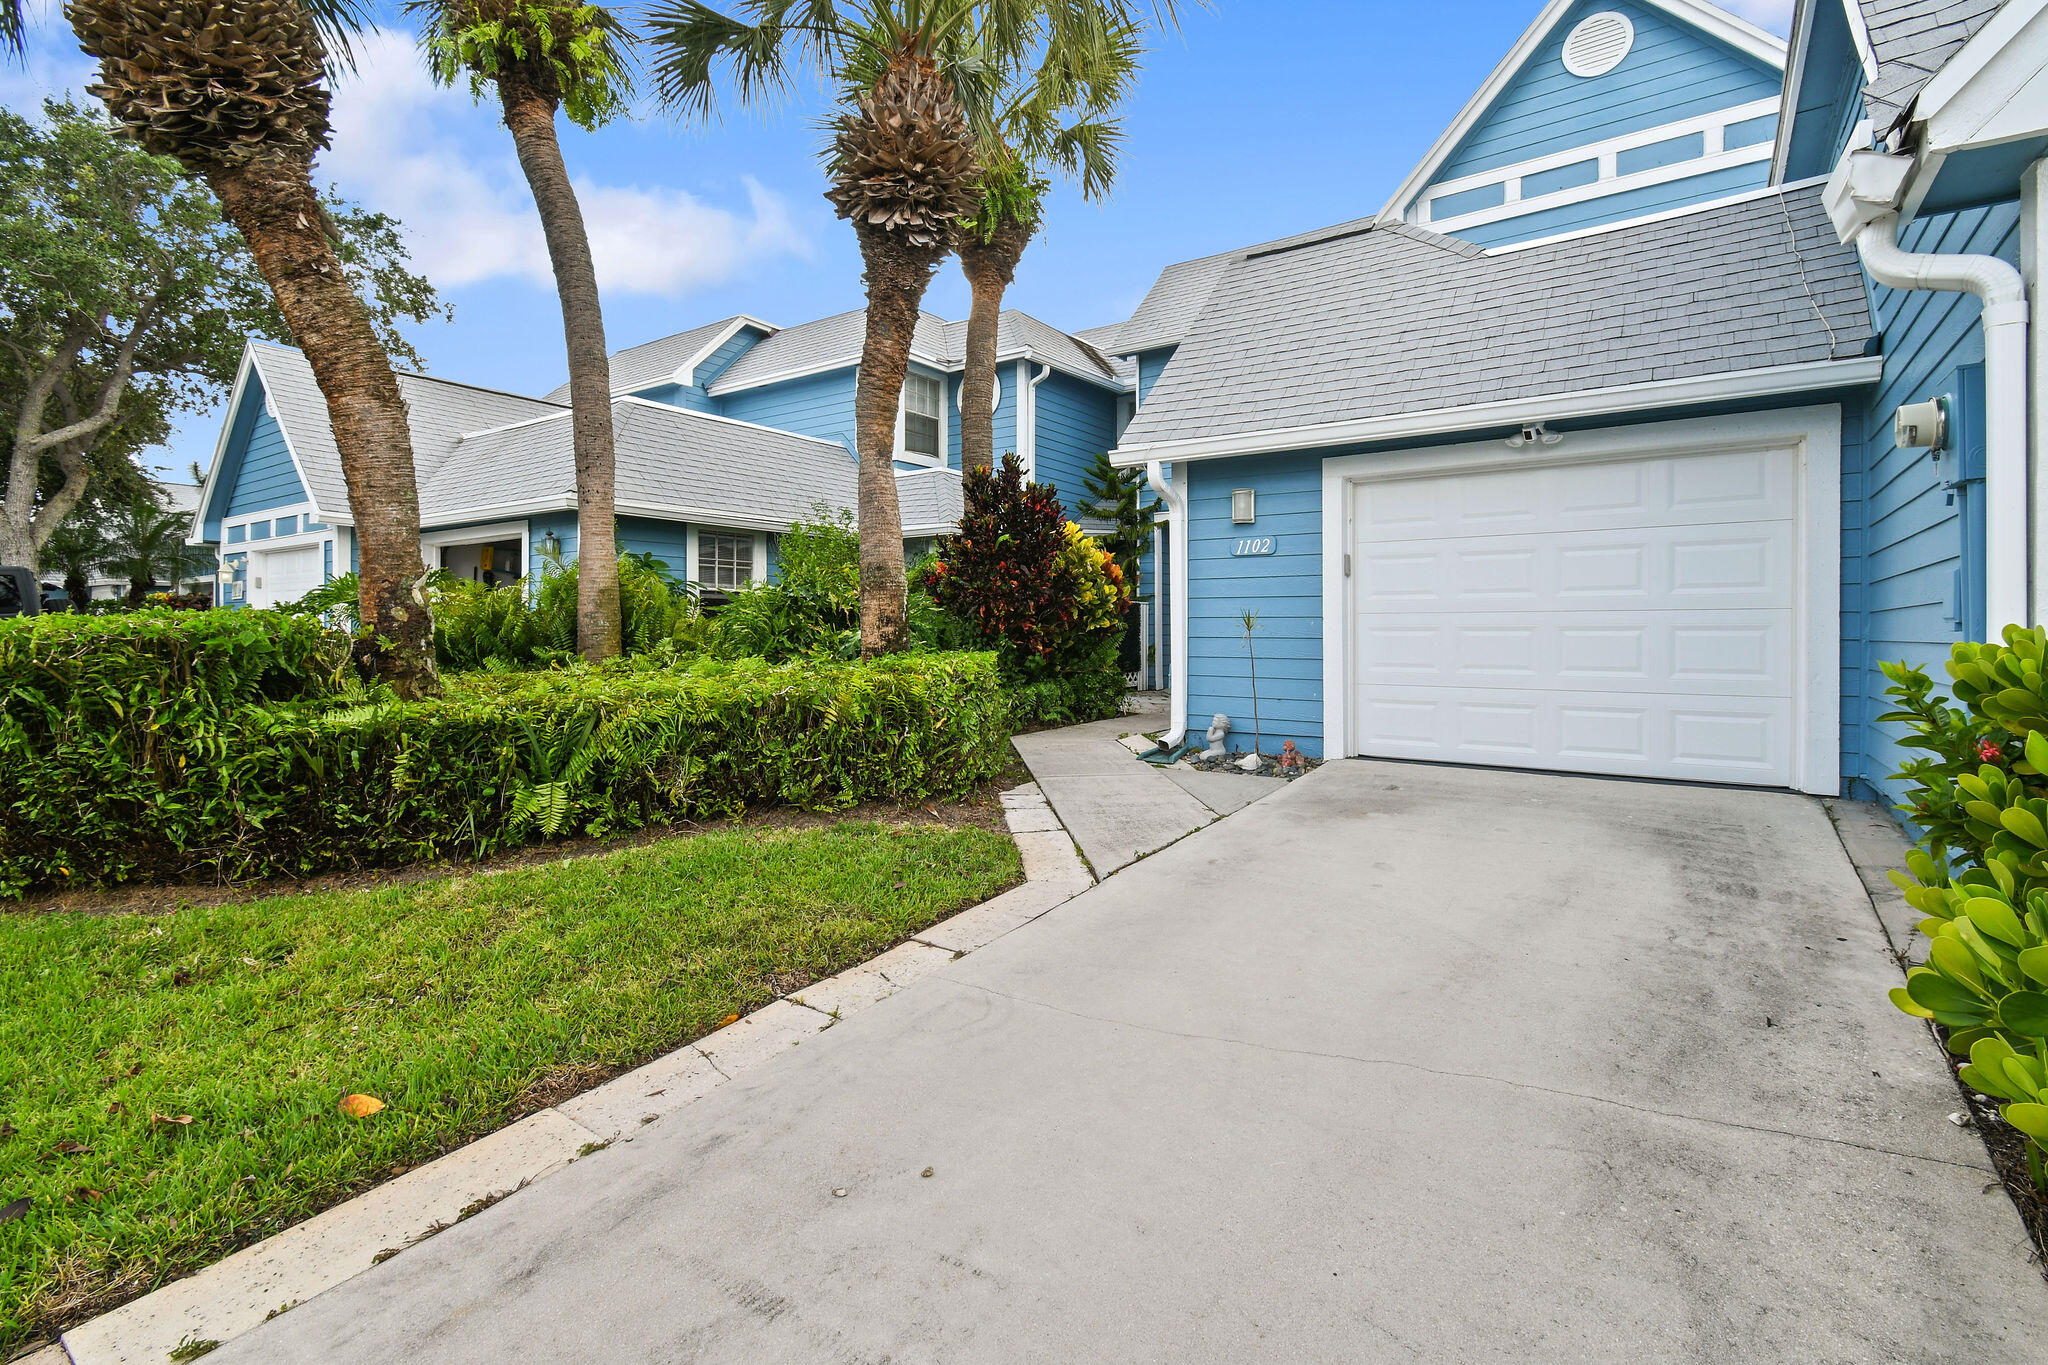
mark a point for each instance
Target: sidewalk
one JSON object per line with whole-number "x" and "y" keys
{"x": 1119, "y": 809}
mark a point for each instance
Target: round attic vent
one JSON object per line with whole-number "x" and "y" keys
{"x": 1598, "y": 43}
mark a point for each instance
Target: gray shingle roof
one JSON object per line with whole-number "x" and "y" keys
{"x": 438, "y": 412}
{"x": 1175, "y": 299}
{"x": 1912, "y": 40}
{"x": 834, "y": 342}
{"x": 929, "y": 501}
{"x": 1367, "y": 321}
{"x": 652, "y": 362}
{"x": 668, "y": 458}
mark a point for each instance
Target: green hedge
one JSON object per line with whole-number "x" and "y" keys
{"x": 95, "y": 791}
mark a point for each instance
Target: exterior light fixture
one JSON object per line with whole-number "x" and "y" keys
{"x": 551, "y": 545}
{"x": 1243, "y": 507}
{"x": 1535, "y": 433}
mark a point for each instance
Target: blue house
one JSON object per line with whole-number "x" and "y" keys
{"x": 1581, "y": 453}
{"x": 726, "y": 435}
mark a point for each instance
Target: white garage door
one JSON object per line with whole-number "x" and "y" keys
{"x": 284, "y": 575}
{"x": 1631, "y": 617}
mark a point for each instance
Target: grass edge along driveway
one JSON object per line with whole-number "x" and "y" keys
{"x": 169, "y": 1084}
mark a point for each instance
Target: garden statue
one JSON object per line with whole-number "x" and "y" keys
{"x": 1290, "y": 757}
{"x": 1219, "y": 727}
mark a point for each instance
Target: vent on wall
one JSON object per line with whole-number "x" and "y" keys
{"x": 1598, "y": 43}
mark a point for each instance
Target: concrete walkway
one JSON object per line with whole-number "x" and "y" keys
{"x": 1401, "y": 1063}
{"x": 1118, "y": 809}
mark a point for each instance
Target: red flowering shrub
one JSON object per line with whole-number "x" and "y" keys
{"x": 1027, "y": 581}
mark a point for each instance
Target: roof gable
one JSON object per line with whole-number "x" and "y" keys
{"x": 1687, "y": 60}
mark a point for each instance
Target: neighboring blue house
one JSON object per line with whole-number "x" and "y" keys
{"x": 726, "y": 435}
{"x": 1579, "y": 455}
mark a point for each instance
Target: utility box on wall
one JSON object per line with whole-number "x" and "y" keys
{"x": 1964, "y": 480}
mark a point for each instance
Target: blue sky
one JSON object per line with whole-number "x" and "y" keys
{"x": 1257, "y": 120}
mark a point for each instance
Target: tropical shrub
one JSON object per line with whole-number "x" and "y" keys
{"x": 1038, "y": 589}
{"x": 92, "y": 794}
{"x": 1980, "y": 794}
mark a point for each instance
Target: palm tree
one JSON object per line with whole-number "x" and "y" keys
{"x": 1061, "y": 119}
{"x": 903, "y": 170}
{"x": 149, "y": 549}
{"x": 236, "y": 91}
{"x": 75, "y": 548}
{"x": 544, "y": 56}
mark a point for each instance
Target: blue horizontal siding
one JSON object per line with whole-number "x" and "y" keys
{"x": 263, "y": 473}
{"x": 1151, "y": 364}
{"x": 1902, "y": 535}
{"x": 818, "y": 405}
{"x": 1469, "y": 201}
{"x": 687, "y": 396}
{"x": 667, "y": 541}
{"x": 1076, "y": 422}
{"x": 1285, "y": 588}
{"x": 1672, "y": 72}
{"x": 1559, "y": 178}
{"x": 1657, "y": 155}
{"x": 1749, "y": 132}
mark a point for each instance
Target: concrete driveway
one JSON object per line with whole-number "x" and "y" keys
{"x": 1401, "y": 1063}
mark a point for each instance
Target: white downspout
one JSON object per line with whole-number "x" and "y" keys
{"x": 1177, "y": 597}
{"x": 2005, "y": 399}
{"x": 1863, "y": 197}
{"x": 1158, "y": 616}
{"x": 1027, "y": 417}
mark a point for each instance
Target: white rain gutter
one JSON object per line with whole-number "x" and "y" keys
{"x": 1177, "y": 597}
{"x": 1863, "y": 197}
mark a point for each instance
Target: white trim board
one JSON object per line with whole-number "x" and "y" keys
{"x": 686, "y": 373}
{"x": 1621, "y": 399}
{"x": 1812, "y": 433}
{"x": 1603, "y": 188}
{"x": 1710, "y": 19}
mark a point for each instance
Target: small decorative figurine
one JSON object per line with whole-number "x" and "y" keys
{"x": 1290, "y": 758}
{"x": 1219, "y": 728}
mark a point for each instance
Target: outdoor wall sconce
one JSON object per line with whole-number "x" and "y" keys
{"x": 1243, "y": 507}
{"x": 551, "y": 545}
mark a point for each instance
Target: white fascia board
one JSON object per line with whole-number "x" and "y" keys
{"x": 689, "y": 414}
{"x": 1810, "y": 377}
{"x": 285, "y": 432}
{"x": 1710, "y": 19}
{"x": 703, "y": 516}
{"x": 686, "y": 373}
{"x": 1795, "y": 74}
{"x": 1028, "y": 353}
{"x": 1995, "y": 89}
{"x": 1661, "y": 216}
{"x": 1859, "y": 33}
{"x": 450, "y": 517}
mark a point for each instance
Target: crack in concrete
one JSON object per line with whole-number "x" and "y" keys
{"x": 1476, "y": 1076}
{"x": 714, "y": 1064}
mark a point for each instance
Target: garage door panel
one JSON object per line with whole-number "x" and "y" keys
{"x": 1633, "y": 617}
{"x": 1720, "y": 653}
{"x": 285, "y": 575}
{"x": 1741, "y": 486}
{"x": 1710, "y": 738}
{"x": 1653, "y": 569}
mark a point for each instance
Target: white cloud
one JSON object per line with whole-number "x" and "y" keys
{"x": 443, "y": 164}
{"x": 1775, "y": 15}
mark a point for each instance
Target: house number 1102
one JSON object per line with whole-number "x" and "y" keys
{"x": 1257, "y": 545}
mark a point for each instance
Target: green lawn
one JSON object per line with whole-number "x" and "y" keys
{"x": 459, "y": 1003}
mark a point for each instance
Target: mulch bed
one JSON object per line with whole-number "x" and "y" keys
{"x": 2007, "y": 1147}
{"x": 978, "y": 809}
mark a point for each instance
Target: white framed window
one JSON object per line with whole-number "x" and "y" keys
{"x": 921, "y": 432}
{"x": 724, "y": 560}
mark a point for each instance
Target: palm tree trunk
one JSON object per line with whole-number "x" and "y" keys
{"x": 989, "y": 267}
{"x": 530, "y": 115}
{"x": 273, "y": 203}
{"x": 896, "y": 276}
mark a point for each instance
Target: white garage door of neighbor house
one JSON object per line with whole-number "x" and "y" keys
{"x": 284, "y": 575}
{"x": 1629, "y": 617}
